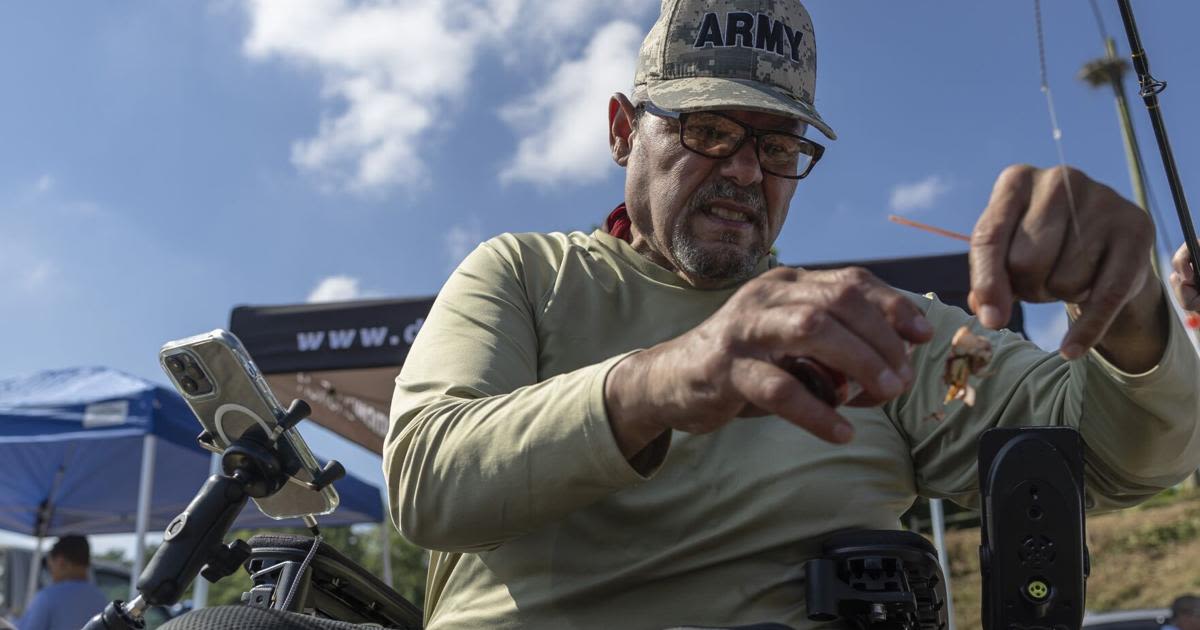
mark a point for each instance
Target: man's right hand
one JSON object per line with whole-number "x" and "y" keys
{"x": 1183, "y": 280}
{"x": 730, "y": 365}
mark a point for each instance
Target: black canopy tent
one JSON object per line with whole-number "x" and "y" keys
{"x": 342, "y": 357}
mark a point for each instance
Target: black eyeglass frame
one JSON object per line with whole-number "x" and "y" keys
{"x": 818, "y": 149}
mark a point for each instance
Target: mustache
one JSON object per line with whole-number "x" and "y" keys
{"x": 724, "y": 189}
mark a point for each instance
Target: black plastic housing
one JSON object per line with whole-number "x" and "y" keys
{"x": 1033, "y": 556}
{"x": 877, "y": 579}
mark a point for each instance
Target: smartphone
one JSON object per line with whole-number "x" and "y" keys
{"x": 223, "y": 387}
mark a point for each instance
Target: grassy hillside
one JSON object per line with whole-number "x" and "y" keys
{"x": 1141, "y": 558}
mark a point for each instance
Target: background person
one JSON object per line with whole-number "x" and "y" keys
{"x": 71, "y": 599}
{"x": 1185, "y": 613}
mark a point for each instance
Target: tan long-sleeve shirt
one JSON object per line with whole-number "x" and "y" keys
{"x": 500, "y": 457}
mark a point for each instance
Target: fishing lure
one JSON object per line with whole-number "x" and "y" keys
{"x": 969, "y": 356}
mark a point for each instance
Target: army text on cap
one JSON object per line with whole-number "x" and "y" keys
{"x": 747, "y": 30}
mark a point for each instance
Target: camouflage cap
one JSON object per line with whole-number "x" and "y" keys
{"x": 756, "y": 55}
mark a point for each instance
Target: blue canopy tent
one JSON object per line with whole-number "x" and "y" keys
{"x": 96, "y": 451}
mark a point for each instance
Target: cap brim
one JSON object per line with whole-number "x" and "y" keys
{"x": 704, "y": 93}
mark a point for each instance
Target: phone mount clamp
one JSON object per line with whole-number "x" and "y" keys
{"x": 877, "y": 580}
{"x": 252, "y": 467}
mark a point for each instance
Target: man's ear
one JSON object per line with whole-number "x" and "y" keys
{"x": 621, "y": 127}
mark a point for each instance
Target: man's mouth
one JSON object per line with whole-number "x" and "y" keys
{"x": 729, "y": 215}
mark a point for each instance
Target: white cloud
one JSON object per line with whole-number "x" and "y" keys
{"x": 44, "y": 183}
{"x": 918, "y": 195}
{"x": 462, "y": 239}
{"x": 32, "y": 263}
{"x": 36, "y": 275}
{"x": 28, "y": 266}
{"x": 389, "y": 69}
{"x": 393, "y": 71}
{"x": 566, "y": 122}
{"x": 336, "y": 289}
{"x": 47, "y": 193}
{"x": 556, "y": 21}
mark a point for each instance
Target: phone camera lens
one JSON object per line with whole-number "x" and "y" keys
{"x": 188, "y": 385}
{"x": 174, "y": 364}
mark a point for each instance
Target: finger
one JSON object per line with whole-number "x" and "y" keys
{"x": 816, "y": 333}
{"x": 1185, "y": 291}
{"x": 1072, "y": 280}
{"x": 885, "y": 333}
{"x": 1183, "y": 279}
{"x": 1039, "y": 240}
{"x": 905, "y": 317}
{"x": 1075, "y": 271}
{"x": 1189, "y": 298}
{"x": 876, "y": 313}
{"x": 991, "y": 289}
{"x": 772, "y": 389}
{"x": 1182, "y": 262}
{"x": 779, "y": 285}
{"x": 1116, "y": 281}
{"x": 880, "y": 315}
{"x": 902, "y": 315}
{"x": 1111, "y": 222}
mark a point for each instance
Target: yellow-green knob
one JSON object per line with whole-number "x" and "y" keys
{"x": 1037, "y": 589}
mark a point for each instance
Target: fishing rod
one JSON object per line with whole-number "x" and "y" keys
{"x": 1149, "y": 91}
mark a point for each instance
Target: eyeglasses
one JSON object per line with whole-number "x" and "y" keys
{"x": 718, "y": 136}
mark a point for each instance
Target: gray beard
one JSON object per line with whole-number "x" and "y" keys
{"x": 726, "y": 263}
{"x": 723, "y": 264}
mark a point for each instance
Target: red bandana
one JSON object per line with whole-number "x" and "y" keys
{"x": 618, "y": 224}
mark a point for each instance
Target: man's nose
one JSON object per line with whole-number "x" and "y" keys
{"x": 742, "y": 167}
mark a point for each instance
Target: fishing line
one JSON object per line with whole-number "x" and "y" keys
{"x": 1056, "y": 131}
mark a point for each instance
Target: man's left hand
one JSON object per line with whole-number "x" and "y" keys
{"x": 1028, "y": 246}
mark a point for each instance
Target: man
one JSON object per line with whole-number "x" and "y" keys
{"x": 598, "y": 431}
{"x": 72, "y": 599}
{"x": 1185, "y": 613}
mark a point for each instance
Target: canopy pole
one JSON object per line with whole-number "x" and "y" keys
{"x": 200, "y": 586}
{"x": 35, "y": 570}
{"x": 145, "y": 489}
{"x": 939, "y": 541}
{"x": 41, "y": 526}
{"x": 385, "y": 539}
{"x": 384, "y": 527}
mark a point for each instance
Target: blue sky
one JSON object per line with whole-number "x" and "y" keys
{"x": 162, "y": 162}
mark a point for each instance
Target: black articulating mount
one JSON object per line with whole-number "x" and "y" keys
{"x": 252, "y": 468}
{"x": 877, "y": 580}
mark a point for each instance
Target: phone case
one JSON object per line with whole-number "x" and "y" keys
{"x": 239, "y": 400}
